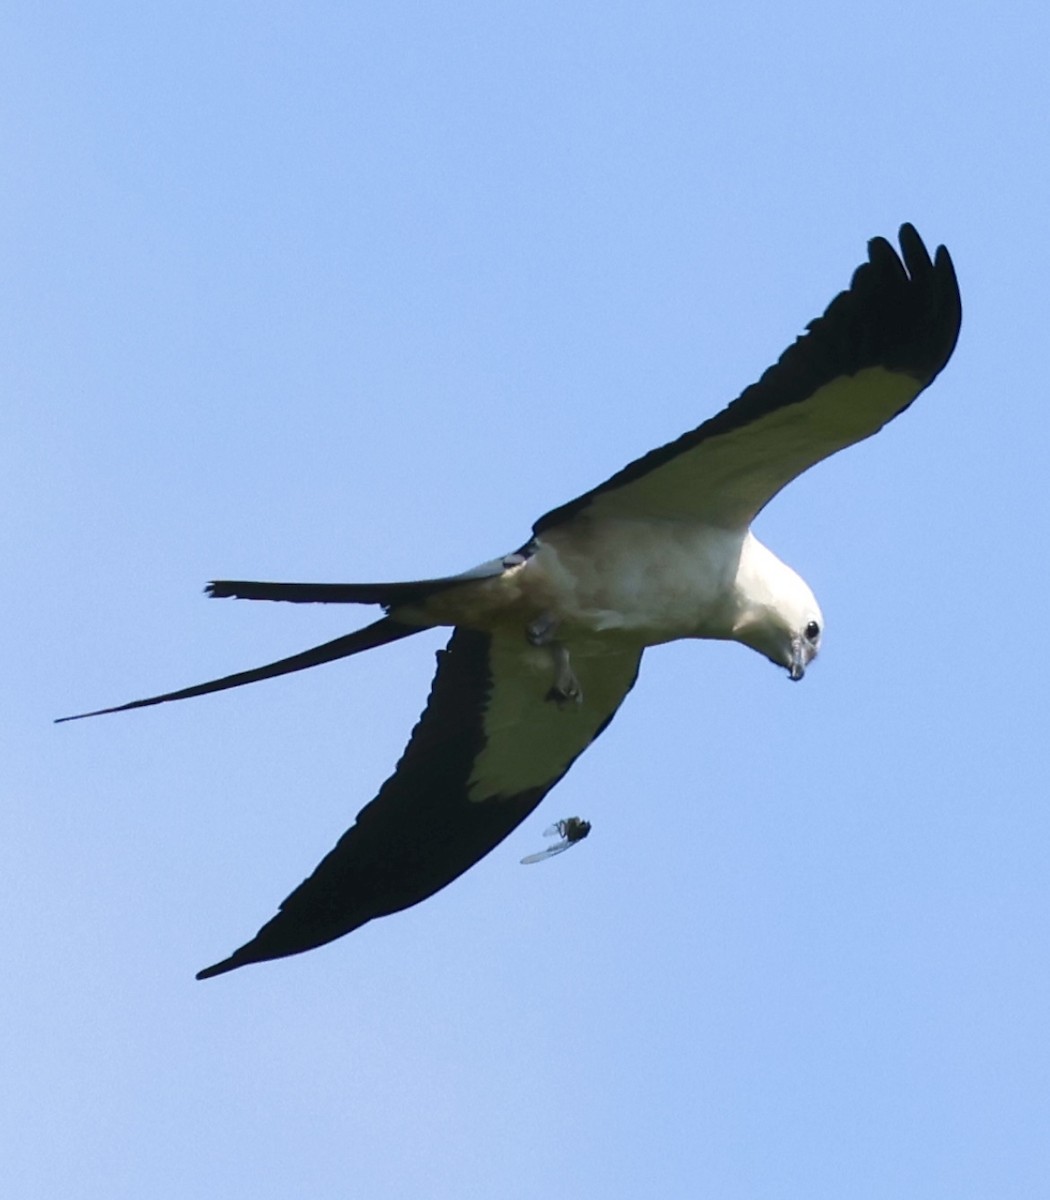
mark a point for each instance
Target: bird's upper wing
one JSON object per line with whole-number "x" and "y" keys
{"x": 864, "y": 361}
{"x": 485, "y": 752}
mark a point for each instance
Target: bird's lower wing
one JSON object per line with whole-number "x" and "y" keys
{"x": 857, "y": 367}
{"x": 488, "y": 748}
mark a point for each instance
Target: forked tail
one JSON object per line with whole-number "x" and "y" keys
{"x": 383, "y": 631}
{"x": 389, "y": 595}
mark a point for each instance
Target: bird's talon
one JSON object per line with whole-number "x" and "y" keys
{"x": 566, "y": 698}
{"x": 541, "y": 631}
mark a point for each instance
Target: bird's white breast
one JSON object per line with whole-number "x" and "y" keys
{"x": 653, "y": 580}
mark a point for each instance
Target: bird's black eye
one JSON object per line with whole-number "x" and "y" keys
{"x": 812, "y": 631}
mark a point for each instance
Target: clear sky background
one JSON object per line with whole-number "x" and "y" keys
{"x": 343, "y": 291}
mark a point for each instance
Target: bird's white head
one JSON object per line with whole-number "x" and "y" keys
{"x": 776, "y": 611}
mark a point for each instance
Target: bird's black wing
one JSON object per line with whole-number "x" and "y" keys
{"x": 855, "y": 368}
{"x": 488, "y": 748}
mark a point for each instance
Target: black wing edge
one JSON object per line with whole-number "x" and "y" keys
{"x": 420, "y": 832}
{"x": 902, "y": 315}
{"x": 416, "y": 836}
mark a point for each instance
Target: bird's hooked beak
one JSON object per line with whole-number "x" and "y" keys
{"x": 799, "y": 660}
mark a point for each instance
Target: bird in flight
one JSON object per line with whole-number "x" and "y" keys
{"x": 547, "y": 641}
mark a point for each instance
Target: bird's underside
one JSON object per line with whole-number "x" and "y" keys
{"x": 547, "y": 641}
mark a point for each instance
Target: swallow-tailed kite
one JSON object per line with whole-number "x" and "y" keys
{"x": 547, "y": 641}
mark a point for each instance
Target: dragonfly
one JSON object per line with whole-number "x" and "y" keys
{"x": 571, "y": 831}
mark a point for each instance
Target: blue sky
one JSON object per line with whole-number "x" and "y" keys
{"x": 337, "y": 291}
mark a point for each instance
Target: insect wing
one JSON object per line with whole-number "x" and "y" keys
{"x": 550, "y": 852}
